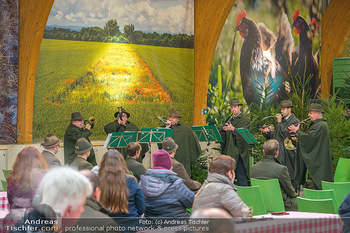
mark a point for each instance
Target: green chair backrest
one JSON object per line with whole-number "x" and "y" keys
{"x": 321, "y": 194}
{"x": 315, "y": 205}
{"x": 342, "y": 171}
{"x": 341, "y": 190}
{"x": 4, "y": 185}
{"x": 6, "y": 173}
{"x": 252, "y": 197}
{"x": 271, "y": 192}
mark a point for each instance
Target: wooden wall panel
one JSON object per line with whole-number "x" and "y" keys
{"x": 335, "y": 32}
{"x": 33, "y": 15}
{"x": 209, "y": 18}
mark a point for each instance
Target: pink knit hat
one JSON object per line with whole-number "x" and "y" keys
{"x": 161, "y": 160}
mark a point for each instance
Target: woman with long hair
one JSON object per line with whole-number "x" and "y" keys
{"x": 27, "y": 171}
{"x": 120, "y": 191}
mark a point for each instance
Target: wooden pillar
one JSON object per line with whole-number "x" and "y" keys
{"x": 33, "y": 15}
{"x": 335, "y": 32}
{"x": 209, "y": 18}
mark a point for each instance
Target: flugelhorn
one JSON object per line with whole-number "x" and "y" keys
{"x": 270, "y": 124}
{"x": 91, "y": 122}
{"x": 163, "y": 119}
{"x": 291, "y": 140}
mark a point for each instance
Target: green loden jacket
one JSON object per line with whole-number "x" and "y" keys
{"x": 234, "y": 144}
{"x": 73, "y": 133}
{"x": 314, "y": 154}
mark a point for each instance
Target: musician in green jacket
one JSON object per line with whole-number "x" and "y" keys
{"x": 234, "y": 144}
{"x": 314, "y": 150}
{"x": 122, "y": 124}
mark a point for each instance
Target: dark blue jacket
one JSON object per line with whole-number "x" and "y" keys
{"x": 136, "y": 205}
{"x": 165, "y": 194}
{"x": 344, "y": 212}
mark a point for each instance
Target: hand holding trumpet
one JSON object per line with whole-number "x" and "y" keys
{"x": 294, "y": 128}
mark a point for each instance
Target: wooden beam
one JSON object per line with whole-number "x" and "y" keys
{"x": 33, "y": 15}
{"x": 335, "y": 32}
{"x": 209, "y": 18}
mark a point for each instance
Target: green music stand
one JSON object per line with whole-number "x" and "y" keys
{"x": 154, "y": 135}
{"x": 249, "y": 138}
{"x": 120, "y": 139}
{"x": 207, "y": 133}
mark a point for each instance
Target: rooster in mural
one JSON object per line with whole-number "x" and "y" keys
{"x": 304, "y": 57}
{"x": 264, "y": 70}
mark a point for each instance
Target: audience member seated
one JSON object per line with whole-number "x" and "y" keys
{"x": 133, "y": 150}
{"x": 82, "y": 149}
{"x": 50, "y": 144}
{"x": 120, "y": 191}
{"x": 166, "y": 195}
{"x": 269, "y": 167}
{"x": 95, "y": 215}
{"x": 344, "y": 212}
{"x": 60, "y": 198}
{"x": 218, "y": 191}
{"x": 27, "y": 171}
{"x": 215, "y": 221}
{"x": 170, "y": 146}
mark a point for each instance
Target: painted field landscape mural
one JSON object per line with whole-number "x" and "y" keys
{"x": 97, "y": 69}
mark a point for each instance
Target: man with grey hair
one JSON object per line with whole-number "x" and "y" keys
{"x": 61, "y": 196}
{"x": 269, "y": 167}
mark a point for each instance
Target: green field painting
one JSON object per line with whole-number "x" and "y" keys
{"x": 95, "y": 78}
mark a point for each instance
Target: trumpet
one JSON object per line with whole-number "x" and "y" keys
{"x": 91, "y": 122}
{"x": 291, "y": 140}
{"x": 163, "y": 119}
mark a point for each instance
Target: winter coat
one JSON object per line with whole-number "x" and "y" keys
{"x": 81, "y": 164}
{"x": 220, "y": 194}
{"x": 344, "y": 212}
{"x": 165, "y": 194}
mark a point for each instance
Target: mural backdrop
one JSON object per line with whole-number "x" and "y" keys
{"x": 8, "y": 70}
{"x": 267, "y": 51}
{"x": 98, "y": 55}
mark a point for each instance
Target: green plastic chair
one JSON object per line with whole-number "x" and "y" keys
{"x": 4, "y": 185}
{"x": 321, "y": 194}
{"x": 315, "y": 205}
{"x": 342, "y": 171}
{"x": 6, "y": 173}
{"x": 252, "y": 197}
{"x": 271, "y": 193}
{"x": 341, "y": 190}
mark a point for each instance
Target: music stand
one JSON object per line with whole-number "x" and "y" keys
{"x": 249, "y": 138}
{"x": 155, "y": 135}
{"x": 207, "y": 133}
{"x": 120, "y": 139}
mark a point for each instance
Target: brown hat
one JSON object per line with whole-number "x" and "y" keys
{"x": 235, "y": 102}
{"x": 76, "y": 116}
{"x": 174, "y": 113}
{"x": 286, "y": 104}
{"x": 315, "y": 107}
{"x": 169, "y": 145}
{"x": 123, "y": 111}
{"x": 82, "y": 146}
{"x": 50, "y": 141}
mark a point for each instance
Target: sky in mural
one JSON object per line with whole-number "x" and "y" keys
{"x": 146, "y": 15}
